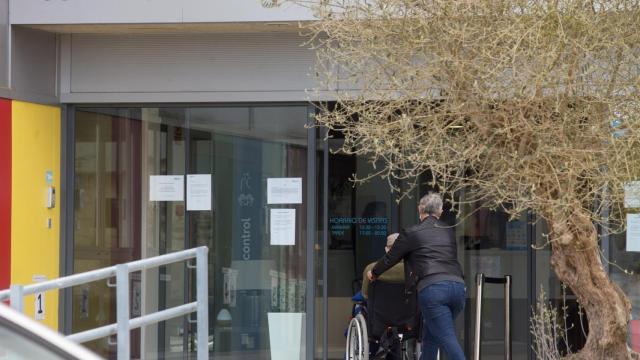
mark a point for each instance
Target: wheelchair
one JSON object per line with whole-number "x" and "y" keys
{"x": 387, "y": 326}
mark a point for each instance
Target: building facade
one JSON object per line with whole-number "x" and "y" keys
{"x": 114, "y": 105}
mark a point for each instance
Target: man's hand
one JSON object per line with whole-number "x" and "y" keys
{"x": 370, "y": 276}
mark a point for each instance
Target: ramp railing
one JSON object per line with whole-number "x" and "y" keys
{"x": 124, "y": 324}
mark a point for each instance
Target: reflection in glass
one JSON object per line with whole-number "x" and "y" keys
{"x": 118, "y": 149}
{"x": 624, "y": 270}
{"x": 359, "y": 220}
{"x": 107, "y": 190}
{"x": 490, "y": 243}
{"x": 251, "y": 278}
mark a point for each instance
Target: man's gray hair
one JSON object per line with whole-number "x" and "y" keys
{"x": 430, "y": 204}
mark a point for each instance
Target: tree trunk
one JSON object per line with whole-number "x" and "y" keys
{"x": 577, "y": 262}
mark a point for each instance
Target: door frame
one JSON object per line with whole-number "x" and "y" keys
{"x": 67, "y": 202}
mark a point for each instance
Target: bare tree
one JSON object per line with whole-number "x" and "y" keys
{"x": 530, "y": 103}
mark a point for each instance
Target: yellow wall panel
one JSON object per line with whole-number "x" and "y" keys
{"x": 35, "y": 247}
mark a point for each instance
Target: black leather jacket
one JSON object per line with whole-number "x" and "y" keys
{"x": 427, "y": 248}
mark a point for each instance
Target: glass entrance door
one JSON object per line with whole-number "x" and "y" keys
{"x": 491, "y": 243}
{"x": 256, "y": 234}
{"x": 115, "y": 221}
{"x": 359, "y": 219}
{"x": 258, "y": 274}
{"x": 101, "y": 136}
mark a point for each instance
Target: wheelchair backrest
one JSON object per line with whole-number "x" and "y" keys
{"x": 389, "y": 305}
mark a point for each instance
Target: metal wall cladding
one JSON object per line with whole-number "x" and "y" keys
{"x": 157, "y": 63}
{"x": 29, "y": 12}
{"x": 34, "y": 62}
{"x": 4, "y": 43}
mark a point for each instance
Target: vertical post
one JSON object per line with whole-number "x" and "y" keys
{"x": 17, "y": 297}
{"x": 67, "y": 194}
{"x": 531, "y": 261}
{"x": 325, "y": 245}
{"x": 187, "y": 336}
{"x": 202, "y": 298}
{"x": 507, "y": 317}
{"x": 479, "y": 288}
{"x": 308, "y": 345}
{"x": 122, "y": 311}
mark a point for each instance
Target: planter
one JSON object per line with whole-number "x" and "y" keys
{"x": 287, "y": 335}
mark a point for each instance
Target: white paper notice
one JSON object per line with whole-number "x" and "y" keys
{"x": 632, "y": 194}
{"x": 284, "y": 191}
{"x": 283, "y": 226}
{"x": 166, "y": 188}
{"x": 199, "y": 192}
{"x": 633, "y": 232}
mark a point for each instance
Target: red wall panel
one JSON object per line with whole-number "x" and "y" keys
{"x": 5, "y": 193}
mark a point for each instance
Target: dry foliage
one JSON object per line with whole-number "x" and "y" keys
{"x": 549, "y": 327}
{"x": 546, "y": 330}
{"x": 528, "y": 103}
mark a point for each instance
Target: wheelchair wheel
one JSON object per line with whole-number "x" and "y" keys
{"x": 357, "y": 339}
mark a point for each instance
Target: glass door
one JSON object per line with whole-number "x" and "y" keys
{"x": 103, "y": 187}
{"x": 491, "y": 243}
{"x": 116, "y": 150}
{"x": 253, "y": 218}
{"x": 164, "y": 152}
{"x": 359, "y": 220}
{"x": 361, "y": 216}
{"x": 257, "y": 270}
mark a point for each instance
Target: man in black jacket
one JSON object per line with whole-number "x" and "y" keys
{"x": 429, "y": 250}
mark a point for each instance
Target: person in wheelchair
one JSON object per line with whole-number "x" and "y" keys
{"x": 394, "y": 275}
{"x": 388, "y": 326}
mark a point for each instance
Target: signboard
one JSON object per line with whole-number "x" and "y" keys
{"x": 274, "y": 288}
{"x": 632, "y": 194}
{"x": 229, "y": 284}
{"x": 633, "y": 232}
{"x": 199, "y": 192}
{"x": 283, "y": 226}
{"x": 166, "y": 188}
{"x": 516, "y": 235}
{"x": 40, "y": 301}
{"x": 284, "y": 191}
{"x": 249, "y": 211}
{"x": 84, "y": 302}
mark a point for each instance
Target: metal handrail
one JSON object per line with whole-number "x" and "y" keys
{"x": 124, "y": 323}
